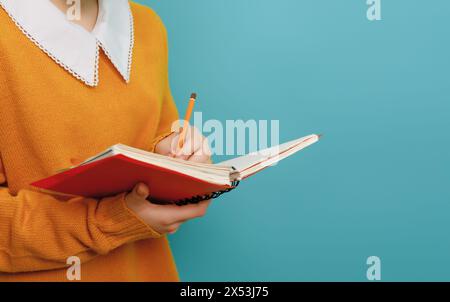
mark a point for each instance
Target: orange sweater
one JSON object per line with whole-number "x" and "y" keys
{"x": 50, "y": 120}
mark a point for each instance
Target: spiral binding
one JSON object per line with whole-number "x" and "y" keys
{"x": 199, "y": 198}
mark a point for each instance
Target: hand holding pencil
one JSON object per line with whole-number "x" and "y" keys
{"x": 188, "y": 143}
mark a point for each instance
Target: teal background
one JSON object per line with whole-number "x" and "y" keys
{"x": 378, "y": 182}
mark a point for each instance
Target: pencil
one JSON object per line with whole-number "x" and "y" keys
{"x": 187, "y": 117}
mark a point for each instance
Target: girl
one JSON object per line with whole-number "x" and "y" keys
{"x": 70, "y": 88}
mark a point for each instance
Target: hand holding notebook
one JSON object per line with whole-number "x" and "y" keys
{"x": 170, "y": 180}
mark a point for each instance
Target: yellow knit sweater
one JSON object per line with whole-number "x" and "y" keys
{"x": 50, "y": 120}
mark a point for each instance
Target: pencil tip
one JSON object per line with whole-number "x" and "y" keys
{"x": 193, "y": 96}
{"x": 319, "y": 135}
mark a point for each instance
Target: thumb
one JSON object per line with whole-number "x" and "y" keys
{"x": 140, "y": 191}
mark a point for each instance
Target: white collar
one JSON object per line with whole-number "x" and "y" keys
{"x": 69, "y": 44}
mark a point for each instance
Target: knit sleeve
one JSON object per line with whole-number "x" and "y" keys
{"x": 39, "y": 232}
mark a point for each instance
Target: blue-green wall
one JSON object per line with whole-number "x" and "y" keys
{"x": 378, "y": 183}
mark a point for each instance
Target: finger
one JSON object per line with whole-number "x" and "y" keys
{"x": 192, "y": 211}
{"x": 140, "y": 191}
{"x": 164, "y": 146}
{"x": 193, "y": 142}
{"x": 173, "y": 228}
{"x": 187, "y": 147}
{"x": 174, "y": 144}
{"x": 182, "y": 132}
{"x": 202, "y": 155}
{"x": 172, "y": 213}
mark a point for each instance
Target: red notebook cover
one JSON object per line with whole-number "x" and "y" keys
{"x": 119, "y": 173}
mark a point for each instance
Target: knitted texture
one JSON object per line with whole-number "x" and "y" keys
{"x": 50, "y": 120}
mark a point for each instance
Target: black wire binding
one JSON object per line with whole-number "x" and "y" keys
{"x": 198, "y": 198}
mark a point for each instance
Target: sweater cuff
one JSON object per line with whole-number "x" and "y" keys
{"x": 121, "y": 225}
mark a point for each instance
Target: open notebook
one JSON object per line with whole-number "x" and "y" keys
{"x": 170, "y": 180}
